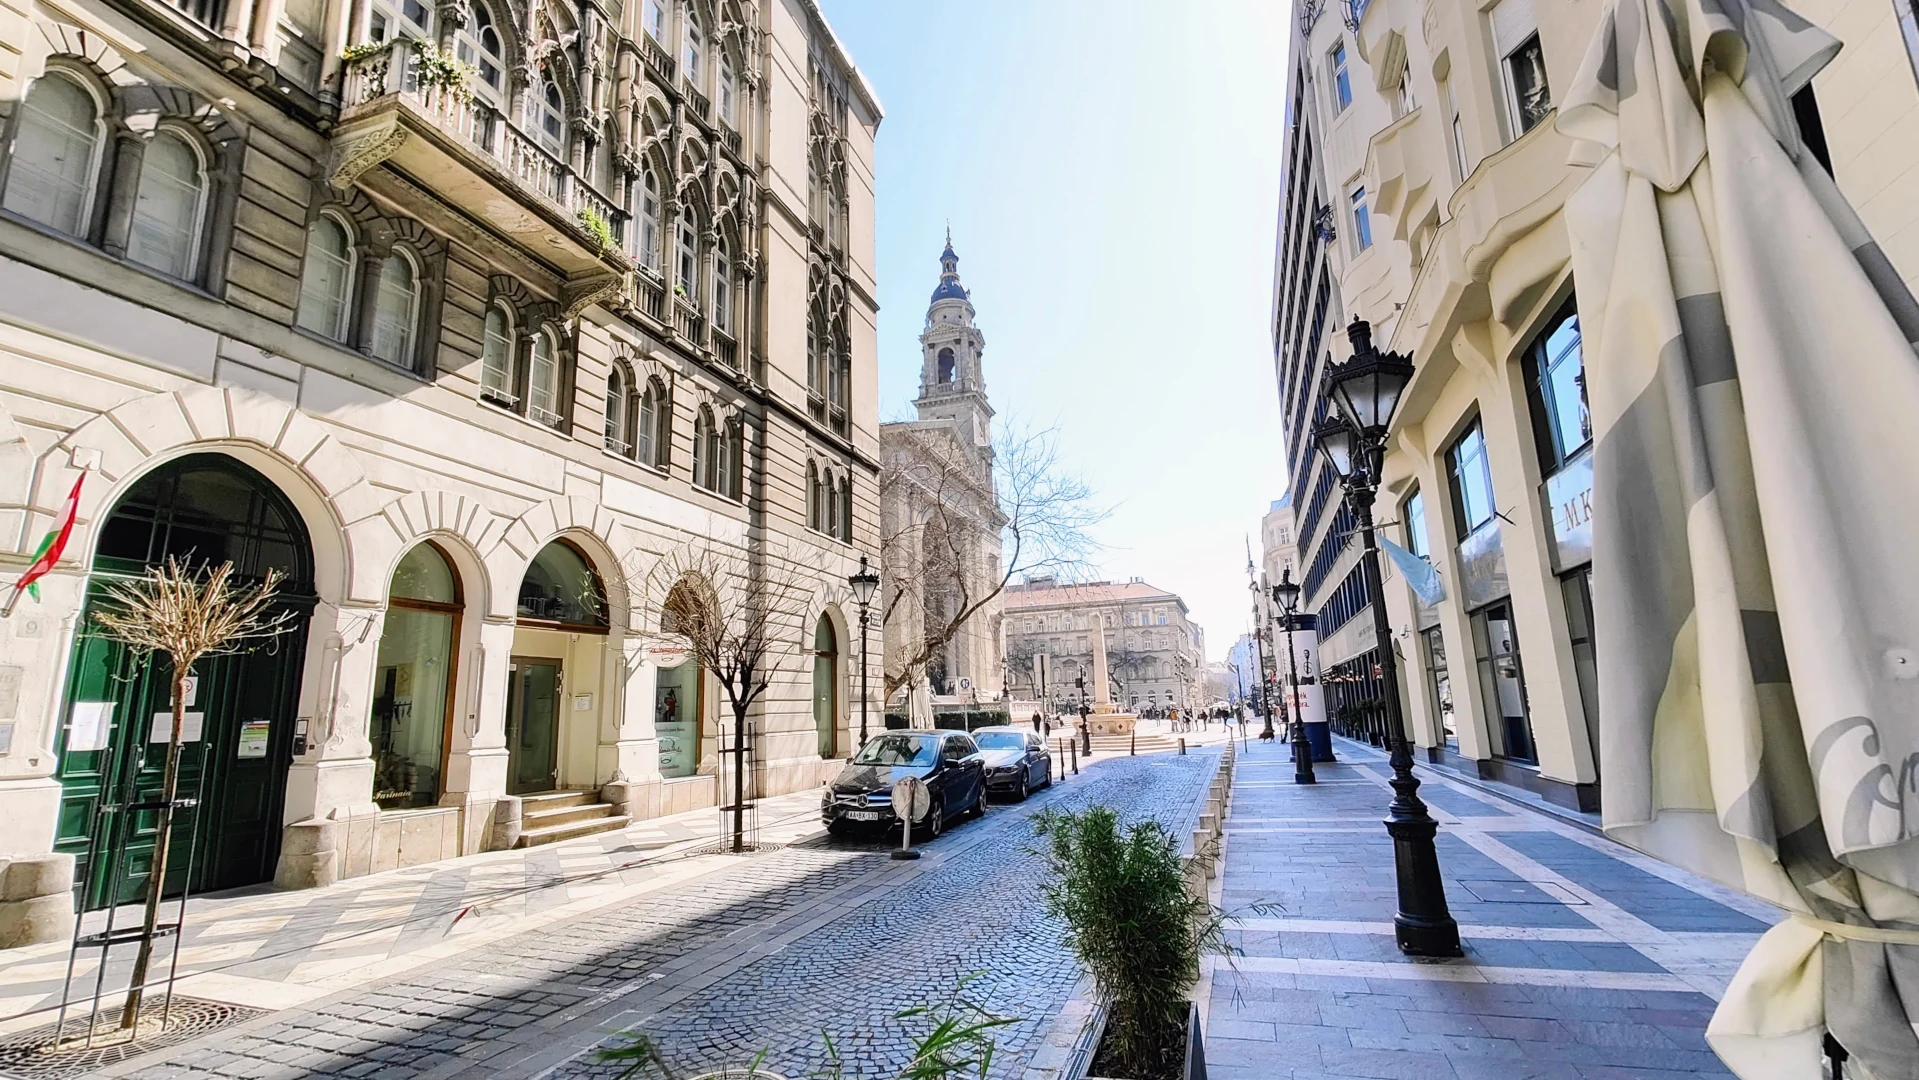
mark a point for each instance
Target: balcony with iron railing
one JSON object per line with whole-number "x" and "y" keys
{"x": 395, "y": 109}
{"x": 725, "y": 348}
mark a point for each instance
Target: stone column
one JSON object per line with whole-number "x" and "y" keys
{"x": 476, "y": 757}
{"x": 330, "y": 813}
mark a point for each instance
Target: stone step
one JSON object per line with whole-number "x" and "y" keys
{"x": 554, "y": 800}
{"x": 551, "y": 834}
{"x": 548, "y": 814}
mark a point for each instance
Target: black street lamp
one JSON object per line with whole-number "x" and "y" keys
{"x": 1286, "y": 597}
{"x": 863, "y": 583}
{"x": 1366, "y": 389}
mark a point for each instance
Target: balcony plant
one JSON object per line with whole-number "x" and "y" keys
{"x": 438, "y": 69}
{"x": 596, "y": 227}
{"x": 1135, "y": 927}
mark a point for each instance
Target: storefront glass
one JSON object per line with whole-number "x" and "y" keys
{"x": 1579, "y": 625}
{"x": 825, "y": 684}
{"x": 1502, "y": 683}
{"x": 1440, "y": 685}
{"x": 412, "y": 681}
{"x": 676, "y": 719}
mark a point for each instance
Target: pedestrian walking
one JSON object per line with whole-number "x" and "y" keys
{"x": 1036, "y": 722}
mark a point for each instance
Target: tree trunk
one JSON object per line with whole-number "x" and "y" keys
{"x": 739, "y": 778}
{"x": 163, "y": 844}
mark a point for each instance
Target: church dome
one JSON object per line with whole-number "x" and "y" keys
{"x": 949, "y": 287}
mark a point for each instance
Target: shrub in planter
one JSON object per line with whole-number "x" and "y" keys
{"x": 1135, "y": 927}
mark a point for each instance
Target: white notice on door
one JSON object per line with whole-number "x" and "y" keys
{"x": 189, "y": 727}
{"x": 92, "y": 721}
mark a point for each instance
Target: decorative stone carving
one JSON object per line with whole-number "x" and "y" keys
{"x": 353, "y": 155}
{"x": 583, "y": 293}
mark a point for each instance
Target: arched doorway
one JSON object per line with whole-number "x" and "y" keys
{"x": 679, "y": 693}
{"x": 207, "y": 509}
{"x": 414, "y": 680}
{"x": 826, "y": 685}
{"x": 562, "y": 600}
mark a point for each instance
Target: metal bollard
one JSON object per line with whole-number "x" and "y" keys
{"x": 1182, "y": 748}
{"x": 1074, "y": 747}
{"x": 1132, "y": 745}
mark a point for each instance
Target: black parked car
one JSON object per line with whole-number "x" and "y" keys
{"x": 860, "y": 799}
{"x": 1016, "y": 761}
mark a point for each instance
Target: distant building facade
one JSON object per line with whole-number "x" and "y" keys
{"x": 1154, "y": 652}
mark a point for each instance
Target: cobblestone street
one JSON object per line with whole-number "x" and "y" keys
{"x": 1584, "y": 960}
{"x": 771, "y": 952}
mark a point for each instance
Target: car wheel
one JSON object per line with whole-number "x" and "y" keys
{"x": 934, "y": 823}
{"x": 1025, "y": 786}
{"x": 979, "y": 801}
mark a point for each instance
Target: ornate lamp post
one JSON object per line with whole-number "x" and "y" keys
{"x": 1366, "y": 389}
{"x": 863, "y": 584}
{"x": 1286, "y": 597}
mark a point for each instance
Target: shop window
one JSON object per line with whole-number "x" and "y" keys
{"x": 414, "y": 679}
{"x": 1440, "y": 685}
{"x": 1577, "y": 589}
{"x": 1502, "y": 684}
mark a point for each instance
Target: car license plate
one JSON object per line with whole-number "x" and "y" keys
{"x": 863, "y": 815}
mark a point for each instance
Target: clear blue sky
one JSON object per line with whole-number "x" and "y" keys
{"x": 1111, "y": 171}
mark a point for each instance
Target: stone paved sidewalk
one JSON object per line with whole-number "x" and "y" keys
{"x": 273, "y": 949}
{"x": 1584, "y": 960}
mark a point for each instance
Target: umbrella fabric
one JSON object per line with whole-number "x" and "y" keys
{"x": 1754, "y": 386}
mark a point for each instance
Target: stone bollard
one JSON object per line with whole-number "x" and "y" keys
{"x": 506, "y": 823}
{"x": 1182, "y": 748}
{"x": 309, "y": 854}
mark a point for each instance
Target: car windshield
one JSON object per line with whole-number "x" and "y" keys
{"x": 896, "y": 749}
{"x": 1000, "y": 740}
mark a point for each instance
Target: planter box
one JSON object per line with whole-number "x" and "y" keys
{"x": 1193, "y": 1056}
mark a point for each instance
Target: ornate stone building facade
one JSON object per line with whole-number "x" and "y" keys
{"x": 940, "y": 516}
{"x": 461, "y": 316}
{"x": 1155, "y": 654}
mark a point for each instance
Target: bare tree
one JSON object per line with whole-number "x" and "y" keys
{"x": 742, "y": 614}
{"x": 175, "y": 611}
{"x": 943, "y": 514}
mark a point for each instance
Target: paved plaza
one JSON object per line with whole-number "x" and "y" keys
{"x": 1584, "y": 960}
{"x": 773, "y": 952}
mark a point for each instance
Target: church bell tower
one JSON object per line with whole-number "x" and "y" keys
{"x": 952, "y": 385}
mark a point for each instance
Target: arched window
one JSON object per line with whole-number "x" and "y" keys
{"x": 55, "y": 155}
{"x": 543, "y": 380}
{"x": 395, "y": 310}
{"x": 546, "y": 115}
{"x": 167, "y": 205}
{"x": 478, "y": 45}
{"x": 561, "y": 589}
{"x": 326, "y": 279}
{"x": 705, "y": 450}
{"x": 619, "y": 411}
{"x": 732, "y": 438}
{"x": 402, "y": 18}
{"x": 813, "y": 511}
{"x": 693, "y": 52}
{"x": 496, "y": 357}
{"x": 812, "y": 352}
{"x": 838, "y": 371}
{"x": 679, "y": 694}
{"x": 722, "y": 288}
{"x": 826, "y": 683}
{"x": 846, "y": 509}
{"x": 727, "y": 93}
{"x": 646, "y": 212}
{"x": 946, "y": 365}
{"x": 688, "y": 283}
{"x": 831, "y": 526}
{"x": 652, "y": 437}
{"x": 413, "y": 680}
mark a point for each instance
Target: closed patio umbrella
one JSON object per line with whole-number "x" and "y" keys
{"x": 1755, "y": 391}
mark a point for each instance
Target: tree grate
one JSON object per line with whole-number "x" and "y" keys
{"x": 33, "y": 1055}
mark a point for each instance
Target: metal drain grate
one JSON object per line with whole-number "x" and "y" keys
{"x": 725, "y": 847}
{"x": 32, "y": 1055}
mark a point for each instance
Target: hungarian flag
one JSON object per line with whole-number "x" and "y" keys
{"x": 49, "y": 551}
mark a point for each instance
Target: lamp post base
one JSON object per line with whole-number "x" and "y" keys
{"x": 1424, "y": 926}
{"x": 1302, "y": 760}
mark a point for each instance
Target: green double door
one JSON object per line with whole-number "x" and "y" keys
{"x": 238, "y": 741}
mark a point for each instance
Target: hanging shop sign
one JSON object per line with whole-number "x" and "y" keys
{"x": 666, "y": 652}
